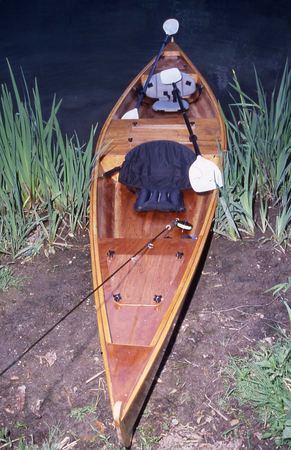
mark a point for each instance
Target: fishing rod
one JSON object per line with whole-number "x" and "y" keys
{"x": 182, "y": 224}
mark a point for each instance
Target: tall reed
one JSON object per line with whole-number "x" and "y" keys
{"x": 44, "y": 175}
{"x": 257, "y": 165}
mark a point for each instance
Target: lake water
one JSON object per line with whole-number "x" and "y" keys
{"x": 87, "y": 51}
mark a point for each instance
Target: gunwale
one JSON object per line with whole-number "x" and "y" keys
{"x": 125, "y": 413}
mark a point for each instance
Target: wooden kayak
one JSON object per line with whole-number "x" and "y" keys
{"x": 134, "y": 328}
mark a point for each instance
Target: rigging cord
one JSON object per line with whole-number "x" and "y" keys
{"x": 144, "y": 247}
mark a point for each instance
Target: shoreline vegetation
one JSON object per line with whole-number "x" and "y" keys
{"x": 257, "y": 166}
{"x": 45, "y": 176}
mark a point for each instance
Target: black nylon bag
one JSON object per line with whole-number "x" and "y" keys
{"x": 162, "y": 165}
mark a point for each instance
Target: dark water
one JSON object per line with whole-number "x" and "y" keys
{"x": 87, "y": 51}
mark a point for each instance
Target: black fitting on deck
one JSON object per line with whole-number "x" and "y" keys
{"x": 117, "y": 297}
{"x": 157, "y": 298}
{"x": 110, "y": 253}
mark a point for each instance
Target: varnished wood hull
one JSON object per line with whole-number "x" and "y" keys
{"x": 135, "y": 331}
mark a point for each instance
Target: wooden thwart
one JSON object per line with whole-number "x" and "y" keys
{"x": 126, "y": 134}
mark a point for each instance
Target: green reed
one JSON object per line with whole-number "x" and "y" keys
{"x": 257, "y": 164}
{"x": 44, "y": 175}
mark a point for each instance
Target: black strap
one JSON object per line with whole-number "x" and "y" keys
{"x": 193, "y": 139}
{"x": 111, "y": 172}
{"x": 200, "y": 89}
{"x": 192, "y": 136}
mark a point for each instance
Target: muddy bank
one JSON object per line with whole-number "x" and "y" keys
{"x": 227, "y": 312}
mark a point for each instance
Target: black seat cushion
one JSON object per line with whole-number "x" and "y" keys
{"x": 158, "y": 170}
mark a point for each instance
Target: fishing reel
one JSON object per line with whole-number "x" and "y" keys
{"x": 183, "y": 225}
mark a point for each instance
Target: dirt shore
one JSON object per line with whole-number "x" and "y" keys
{"x": 226, "y": 313}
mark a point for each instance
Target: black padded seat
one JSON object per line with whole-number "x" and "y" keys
{"x": 158, "y": 171}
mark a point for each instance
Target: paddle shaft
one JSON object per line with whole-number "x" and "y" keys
{"x": 144, "y": 247}
{"x": 192, "y": 136}
{"x": 153, "y": 68}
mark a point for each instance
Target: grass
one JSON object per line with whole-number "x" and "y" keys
{"x": 54, "y": 441}
{"x": 257, "y": 165}
{"x": 281, "y": 288}
{"x": 44, "y": 176}
{"x": 263, "y": 380}
{"x": 146, "y": 439}
{"x": 279, "y": 291}
{"x": 8, "y": 279}
{"x": 104, "y": 441}
{"x": 5, "y": 438}
{"x": 80, "y": 413}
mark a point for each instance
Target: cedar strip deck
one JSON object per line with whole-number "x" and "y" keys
{"x": 120, "y": 220}
{"x": 124, "y": 135}
{"x": 135, "y": 319}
